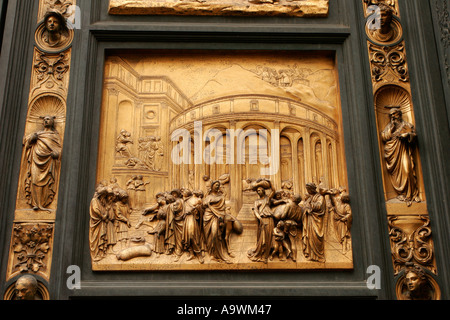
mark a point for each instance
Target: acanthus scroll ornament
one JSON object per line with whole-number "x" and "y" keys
{"x": 50, "y": 71}
{"x": 411, "y": 242}
{"x": 388, "y": 63}
{"x": 392, "y": 4}
{"x": 63, "y": 6}
{"x": 51, "y": 65}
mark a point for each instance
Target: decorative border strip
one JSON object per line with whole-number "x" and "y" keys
{"x": 31, "y": 245}
{"x": 295, "y": 8}
{"x": 442, "y": 12}
{"x": 410, "y": 233}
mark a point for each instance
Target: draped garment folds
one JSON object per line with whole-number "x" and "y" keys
{"x": 160, "y": 229}
{"x": 174, "y": 226}
{"x": 399, "y": 159}
{"x": 264, "y": 237}
{"x": 42, "y": 167}
{"x": 191, "y": 230}
{"x": 111, "y": 236}
{"x": 343, "y": 220}
{"x": 213, "y": 218}
{"x": 313, "y": 227}
{"x": 121, "y": 216}
{"x": 288, "y": 210}
{"x": 97, "y": 229}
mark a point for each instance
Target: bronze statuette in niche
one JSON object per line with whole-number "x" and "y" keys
{"x": 42, "y": 154}
{"x": 399, "y": 138}
{"x": 41, "y": 159}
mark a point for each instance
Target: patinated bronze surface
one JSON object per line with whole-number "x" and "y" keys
{"x": 299, "y": 8}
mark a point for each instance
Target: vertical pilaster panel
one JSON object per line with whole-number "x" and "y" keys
{"x": 410, "y": 233}
{"x": 31, "y": 243}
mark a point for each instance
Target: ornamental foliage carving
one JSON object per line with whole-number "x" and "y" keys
{"x": 31, "y": 244}
{"x": 48, "y": 65}
{"x": 411, "y": 242}
{"x": 388, "y": 63}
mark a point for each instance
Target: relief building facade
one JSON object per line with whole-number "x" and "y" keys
{"x": 251, "y": 147}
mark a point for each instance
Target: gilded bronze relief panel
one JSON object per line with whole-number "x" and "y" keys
{"x": 297, "y": 8}
{"x": 224, "y": 160}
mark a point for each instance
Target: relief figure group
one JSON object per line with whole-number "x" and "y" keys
{"x": 201, "y": 224}
{"x": 281, "y": 217}
{"x": 193, "y": 222}
{"x": 187, "y": 221}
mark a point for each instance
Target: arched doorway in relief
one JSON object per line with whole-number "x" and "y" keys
{"x": 317, "y": 158}
{"x": 301, "y": 166}
{"x": 255, "y": 150}
{"x": 286, "y": 165}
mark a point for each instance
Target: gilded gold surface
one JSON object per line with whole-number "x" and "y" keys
{"x": 299, "y": 8}
{"x": 150, "y": 213}
{"x": 31, "y": 249}
{"x": 42, "y": 144}
{"x": 410, "y": 232}
{"x": 415, "y": 284}
{"x": 399, "y": 153}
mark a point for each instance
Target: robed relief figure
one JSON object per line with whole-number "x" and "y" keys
{"x": 286, "y": 208}
{"x": 122, "y": 142}
{"x": 42, "y": 155}
{"x": 313, "y": 224}
{"x": 175, "y": 224}
{"x": 159, "y": 211}
{"x": 122, "y": 212}
{"x": 342, "y": 216}
{"x": 399, "y": 138}
{"x": 191, "y": 232}
{"x": 97, "y": 225}
{"x": 213, "y": 223}
{"x": 264, "y": 214}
